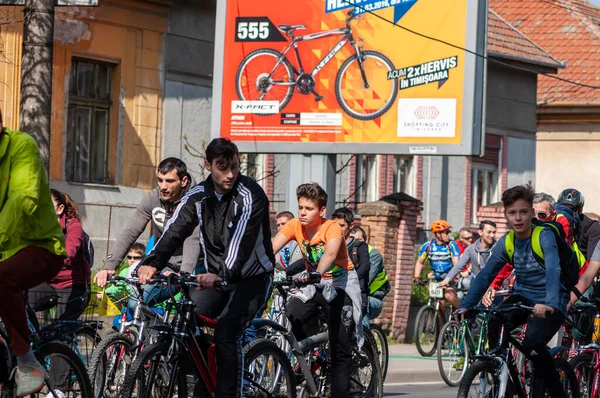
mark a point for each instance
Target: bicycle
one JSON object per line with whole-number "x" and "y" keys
{"x": 497, "y": 375}
{"x": 52, "y": 346}
{"x": 311, "y": 360}
{"x": 161, "y": 369}
{"x": 268, "y": 75}
{"x": 116, "y": 352}
{"x": 430, "y": 318}
{"x": 380, "y": 344}
{"x": 456, "y": 345}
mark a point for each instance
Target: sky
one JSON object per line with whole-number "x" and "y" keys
{"x": 596, "y": 2}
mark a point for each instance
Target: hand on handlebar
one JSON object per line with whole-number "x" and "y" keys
{"x": 488, "y": 297}
{"x": 306, "y": 277}
{"x": 102, "y": 276}
{"x": 445, "y": 282}
{"x": 145, "y": 273}
{"x": 540, "y": 310}
{"x": 207, "y": 281}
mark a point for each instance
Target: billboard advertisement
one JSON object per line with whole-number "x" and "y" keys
{"x": 350, "y": 76}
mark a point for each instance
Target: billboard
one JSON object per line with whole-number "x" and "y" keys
{"x": 337, "y": 76}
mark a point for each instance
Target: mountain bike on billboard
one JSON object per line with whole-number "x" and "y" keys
{"x": 361, "y": 86}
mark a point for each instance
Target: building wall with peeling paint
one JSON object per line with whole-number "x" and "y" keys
{"x": 128, "y": 34}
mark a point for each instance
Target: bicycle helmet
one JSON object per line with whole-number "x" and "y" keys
{"x": 571, "y": 197}
{"x": 440, "y": 226}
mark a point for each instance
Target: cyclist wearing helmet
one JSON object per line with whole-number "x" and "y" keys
{"x": 443, "y": 254}
{"x": 567, "y": 201}
{"x": 590, "y": 229}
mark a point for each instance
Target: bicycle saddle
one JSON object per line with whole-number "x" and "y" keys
{"x": 288, "y": 28}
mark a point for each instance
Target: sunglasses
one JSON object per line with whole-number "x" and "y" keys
{"x": 542, "y": 215}
{"x": 468, "y": 237}
{"x": 134, "y": 257}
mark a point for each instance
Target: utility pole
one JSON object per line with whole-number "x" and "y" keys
{"x": 36, "y": 73}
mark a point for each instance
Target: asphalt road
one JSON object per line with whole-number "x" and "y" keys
{"x": 419, "y": 390}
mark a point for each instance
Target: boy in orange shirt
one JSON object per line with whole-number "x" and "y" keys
{"x": 322, "y": 244}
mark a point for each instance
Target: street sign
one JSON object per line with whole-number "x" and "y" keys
{"x": 287, "y": 77}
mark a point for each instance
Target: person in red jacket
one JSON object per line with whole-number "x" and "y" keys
{"x": 72, "y": 282}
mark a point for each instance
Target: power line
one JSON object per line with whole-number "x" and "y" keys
{"x": 473, "y": 52}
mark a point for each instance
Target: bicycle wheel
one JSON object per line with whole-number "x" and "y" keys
{"x": 584, "y": 372}
{"x": 74, "y": 381}
{"x": 267, "y": 371}
{"x": 260, "y": 78}
{"x": 358, "y": 101}
{"x": 109, "y": 364}
{"x": 155, "y": 374}
{"x": 567, "y": 377}
{"x": 452, "y": 353}
{"x": 480, "y": 381}
{"x": 381, "y": 348}
{"x": 365, "y": 377}
{"x": 426, "y": 330}
{"x": 86, "y": 340}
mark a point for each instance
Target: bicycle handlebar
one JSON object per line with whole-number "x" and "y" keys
{"x": 184, "y": 280}
{"x": 293, "y": 281}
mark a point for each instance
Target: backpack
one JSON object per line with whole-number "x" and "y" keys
{"x": 569, "y": 261}
{"x": 88, "y": 247}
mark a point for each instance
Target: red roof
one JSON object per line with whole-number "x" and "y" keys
{"x": 570, "y": 31}
{"x": 505, "y": 41}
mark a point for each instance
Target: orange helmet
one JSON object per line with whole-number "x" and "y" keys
{"x": 440, "y": 226}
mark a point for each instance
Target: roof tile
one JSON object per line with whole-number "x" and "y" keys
{"x": 570, "y": 31}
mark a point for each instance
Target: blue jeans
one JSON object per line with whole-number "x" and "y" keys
{"x": 153, "y": 295}
{"x": 374, "y": 307}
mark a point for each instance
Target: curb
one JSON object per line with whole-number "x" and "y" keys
{"x": 413, "y": 375}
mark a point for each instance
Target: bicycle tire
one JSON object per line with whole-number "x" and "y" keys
{"x": 75, "y": 364}
{"x": 451, "y": 334}
{"x": 138, "y": 367}
{"x": 568, "y": 378}
{"x": 584, "y": 372}
{"x": 338, "y": 88}
{"x": 366, "y": 359}
{"x": 381, "y": 348}
{"x": 240, "y": 74}
{"x": 426, "y": 314}
{"x": 261, "y": 347}
{"x": 99, "y": 362}
{"x": 86, "y": 340}
{"x": 474, "y": 371}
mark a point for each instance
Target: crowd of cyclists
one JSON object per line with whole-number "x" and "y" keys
{"x": 216, "y": 236}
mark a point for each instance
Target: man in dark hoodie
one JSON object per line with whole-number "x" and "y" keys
{"x": 475, "y": 256}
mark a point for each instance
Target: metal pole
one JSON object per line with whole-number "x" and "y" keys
{"x": 36, "y": 73}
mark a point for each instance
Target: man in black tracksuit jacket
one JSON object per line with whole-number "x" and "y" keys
{"x": 233, "y": 213}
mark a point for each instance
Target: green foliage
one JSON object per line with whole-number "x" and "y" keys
{"x": 420, "y": 294}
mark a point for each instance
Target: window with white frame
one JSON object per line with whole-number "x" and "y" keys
{"x": 367, "y": 178}
{"x": 404, "y": 176}
{"x": 484, "y": 187}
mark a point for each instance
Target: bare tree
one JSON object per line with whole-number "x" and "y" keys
{"x": 36, "y": 73}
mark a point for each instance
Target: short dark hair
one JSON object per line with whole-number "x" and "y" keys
{"x": 312, "y": 191}
{"x": 221, "y": 148}
{"x": 343, "y": 213}
{"x": 138, "y": 247}
{"x": 525, "y": 192}
{"x": 286, "y": 213}
{"x": 464, "y": 229}
{"x": 486, "y": 222}
{"x": 168, "y": 164}
{"x": 359, "y": 229}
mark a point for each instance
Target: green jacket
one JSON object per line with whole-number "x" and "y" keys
{"x": 27, "y": 215}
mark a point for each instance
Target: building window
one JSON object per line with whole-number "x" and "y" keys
{"x": 403, "y": 175}
{"x": 485, "y": 187}
{"x": 88, "y": 121}
{"x": 367, "y": 178}
{"x": 253, "y": 165}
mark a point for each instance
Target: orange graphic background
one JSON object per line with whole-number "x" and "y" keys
{"x": 437, "y": 18}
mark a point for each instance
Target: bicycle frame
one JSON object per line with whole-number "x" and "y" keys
{"x": 593, "y": 350}
{"x": 347, "y": 37}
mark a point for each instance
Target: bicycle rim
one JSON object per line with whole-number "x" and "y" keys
{"x": 365, "y": 103}
{"x": 381, "y": 347}
{"x": 452, "y": 353}
{"x": 584, "y": 372}
{"x": 426, "y": 331}
{"x": 267, "y": 371}
{"x": 66, "y": 372}
{"x": 480, "y": 381}
{"x": 109, "y": 366}
{"x": 258, "y": 79}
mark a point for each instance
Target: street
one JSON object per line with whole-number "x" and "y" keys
{"x": 419, "y": 390}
